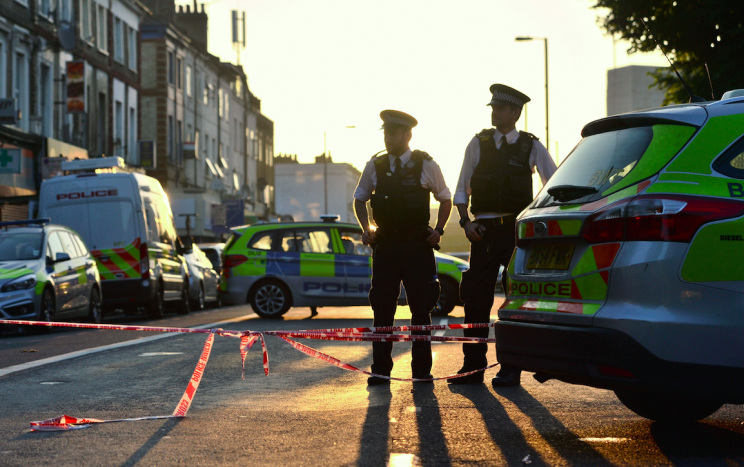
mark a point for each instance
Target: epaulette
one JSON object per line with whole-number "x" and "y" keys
{"x": 486, "y": 134}
{"x": 422, "y": 154}
{"x": 377, "y": 156}
{"x": 530, "y": 135}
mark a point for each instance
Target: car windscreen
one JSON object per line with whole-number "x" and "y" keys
{"x": 20, "y": 246}
{"x": 611, "y": 161}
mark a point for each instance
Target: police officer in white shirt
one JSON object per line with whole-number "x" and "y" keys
{"x": 398, "y": 184}
{"x": 496, "y": 177}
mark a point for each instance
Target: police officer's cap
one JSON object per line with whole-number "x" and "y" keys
{"x": 503, "y": 94}
{"x": 396, "y": 118}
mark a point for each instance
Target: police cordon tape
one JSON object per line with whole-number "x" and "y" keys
{"x": 247, "y": 339}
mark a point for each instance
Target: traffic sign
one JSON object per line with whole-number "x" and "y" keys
{"x": 10, "y": 161}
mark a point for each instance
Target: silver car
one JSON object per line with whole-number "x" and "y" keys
{"x": 47, "y": 273}
{"x": 203, "y": 279}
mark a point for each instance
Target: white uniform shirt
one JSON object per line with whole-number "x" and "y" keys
{"x": 431, "y": 179}
{"x": 539, "y": 158}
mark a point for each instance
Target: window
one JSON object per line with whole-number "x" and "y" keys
{"x": 74, "y": 216}
{"x": 227, "y": 106}
{"x": 80, "y": 245}
{"x": 132, "y": 49}
{"x": 85, "y": 21}
{"x": 288, "y": 241}
{"x": 20, "y": 246}
{"x": 3, "y": 67}
{"x": 55, "y": 246}
{"x": 65, "y": 12}
{"x": 188, "y": 80}
{"x": 44, "y": 9}
{"x": 314, "y": 241}
{"x": 119, "y": 129}
{"x": 179, "y": 73}
{"x": 132, "y": 149}
{"x": 171, "y": 153}
{"x": 21, "y": 80}
{"x": 118, "y": 217}
{"x": 261, "y": 241}
{"x": 171, "y": 71}
{"x": 118, "y": 40}
{"x": 351, "y": 240}
{"x": 731, "y": 162}
{"x": 102, "y": 26}
{"x": 179, "y": 141}
{"x": 220, "y": 95}
{"x": 206, "y": 92}
{"x": 68, "y": 244}
{"x": 152, "y": 223}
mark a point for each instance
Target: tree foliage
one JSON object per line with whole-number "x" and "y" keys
{"x": 692, "y": 33}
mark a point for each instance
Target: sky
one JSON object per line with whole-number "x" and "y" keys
{"x": 322, "y": 66}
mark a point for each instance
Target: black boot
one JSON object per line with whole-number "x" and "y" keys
{"x": 376, "y": 380}
{"x": 475, "y": 378}
{"x": 503, "y": 379}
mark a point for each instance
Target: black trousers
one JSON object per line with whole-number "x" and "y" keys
{"x": 479, "y": 283}
{"x": 413, "y": 263}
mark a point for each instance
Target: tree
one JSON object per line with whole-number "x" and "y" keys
{"x": 692, "y": 33}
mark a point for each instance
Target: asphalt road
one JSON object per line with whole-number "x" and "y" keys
{"x": 310, "y": 413}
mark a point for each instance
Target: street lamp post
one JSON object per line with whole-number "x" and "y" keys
{"x": 325, "y": 171}
{"x": 547, "y": 126}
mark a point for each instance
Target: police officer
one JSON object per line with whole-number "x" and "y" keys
{"x": 398, "y": 184}
{"x": 497, "y": 177}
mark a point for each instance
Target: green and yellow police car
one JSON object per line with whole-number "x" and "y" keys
{"x": 629, "y": 269}
{"x": 275, "y": 266}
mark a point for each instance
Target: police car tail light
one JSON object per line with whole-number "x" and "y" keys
{"x": 231, "y": 261}
{"x": 606, "y": 225}
{"x": 675, "y": 218}
{"x": 144, "y": 261}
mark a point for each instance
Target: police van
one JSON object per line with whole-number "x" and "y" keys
{"x": 126, "y": 221}
{"x": 276, "y": 266}
{"x": 629, "y": 269}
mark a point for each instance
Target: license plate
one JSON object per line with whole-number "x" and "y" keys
{"x": 550, "y": 257}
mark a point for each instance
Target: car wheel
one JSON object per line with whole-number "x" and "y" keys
{"x": 668, "y": 408}
{"x": 270, "y": 299}
{"x": 95, "y": 313}
{"x": 47, "y": 311}
{"x": 155, "y": 308}
{"x": 218, "y": 302}
{"x": 447, "y": 298}
{"x": 184, "y": 305}
{"x": 198, "y": 304}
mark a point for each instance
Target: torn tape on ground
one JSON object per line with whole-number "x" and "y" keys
{"x": 247, "y": 340}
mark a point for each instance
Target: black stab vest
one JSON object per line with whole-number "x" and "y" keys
{"x": 399, "y": 201}
{"x": 502, "y": 181}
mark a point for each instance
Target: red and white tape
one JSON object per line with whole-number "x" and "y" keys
{"x": 247, "y": 339}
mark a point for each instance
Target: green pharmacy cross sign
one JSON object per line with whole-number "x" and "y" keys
{"x": 10, "y": 161}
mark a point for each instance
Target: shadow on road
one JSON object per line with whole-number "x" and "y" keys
{"x": 166, "y": 428}
{"x": 563, "y": 440}
{"x": 694, "y": 443}
{"x": 432, "y": 443}
{"x": 373, "y": 448}
{"x": 503, "y": 431}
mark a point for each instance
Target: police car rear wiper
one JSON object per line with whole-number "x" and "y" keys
{"x": 568, "y": 192}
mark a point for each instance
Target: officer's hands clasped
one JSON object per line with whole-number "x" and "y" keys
{"x": 474, "y": 231}
{"x": 368, "y": 237}
{"x": 434, "y": 238}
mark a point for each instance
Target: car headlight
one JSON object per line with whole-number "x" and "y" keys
{"x": 22, "y": 283}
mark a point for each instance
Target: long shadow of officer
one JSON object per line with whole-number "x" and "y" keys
{"x": 497, "y": 177}
{"x": 398, "y": 184}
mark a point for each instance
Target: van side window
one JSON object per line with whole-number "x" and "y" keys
{"x": 68, "y": 244}
{"x": 152, "y": 223}
{"x": 55, "y": 245}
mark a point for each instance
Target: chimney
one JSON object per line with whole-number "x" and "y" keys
{"x": 188, "y": 8}
{"x": 194, "y": 23}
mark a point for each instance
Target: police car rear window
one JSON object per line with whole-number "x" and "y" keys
{"x": 731, "y": 162}
{"x": 614, "y": 160}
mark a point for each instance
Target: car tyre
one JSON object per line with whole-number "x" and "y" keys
{"x": 95, "y": 313}
{"x": 184, "y": 305}
{"x": 47, "y": 311}
{"x": 447, "y": 298}
{"x": 668, "y": 408}
{"x": 200, "y": 301}
{"x": 270, "y": 299}
{"x": 156, "y": 308}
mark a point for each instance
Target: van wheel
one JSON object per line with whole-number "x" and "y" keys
{"x": 270, "y": 299}
{"x": 184, "y": 305}
{"x": 95, "y": 313}
{"x": 668, "y": 408}
{"x": 447, "y": 298}
{"x": 198, "y": 304}
{"x": 155, "y": 309}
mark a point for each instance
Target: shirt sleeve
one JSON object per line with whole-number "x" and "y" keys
{"x": 366, "y": 184}
{"x": 472, "y": 157}
{"x": 540, "y": 159}
{"x": 433, "y": 179}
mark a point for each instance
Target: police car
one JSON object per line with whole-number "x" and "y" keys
{"x": 46, "y": 273}
{"x": 629, "y": 269}
{"x": 276, "y": 266}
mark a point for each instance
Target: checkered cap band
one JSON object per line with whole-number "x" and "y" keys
{"x": 500, "y": 96}
{"x": 394, "y": 120}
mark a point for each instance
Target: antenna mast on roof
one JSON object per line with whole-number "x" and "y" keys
{"x": 238, "y": 32}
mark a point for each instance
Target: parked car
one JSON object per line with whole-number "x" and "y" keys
{"x": 203, "y": 279}
{"x": 628, "y": 273}
{"x": 47, "y": 273}
{"x": 275, "y": 266}
{"x": 127, "y": 221}
{"x": 213, "y": 251}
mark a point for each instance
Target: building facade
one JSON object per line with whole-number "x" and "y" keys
{"x": 205, "y": 124}
{"x": 629, "y": 89}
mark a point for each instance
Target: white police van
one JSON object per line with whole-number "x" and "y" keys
{"x": 126, "y": 221}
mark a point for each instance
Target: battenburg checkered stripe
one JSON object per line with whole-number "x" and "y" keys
{"x": 500, "y": 96}
{"x": 391, "y": 120}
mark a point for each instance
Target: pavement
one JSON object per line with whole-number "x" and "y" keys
{"x": 307, "y": 412}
